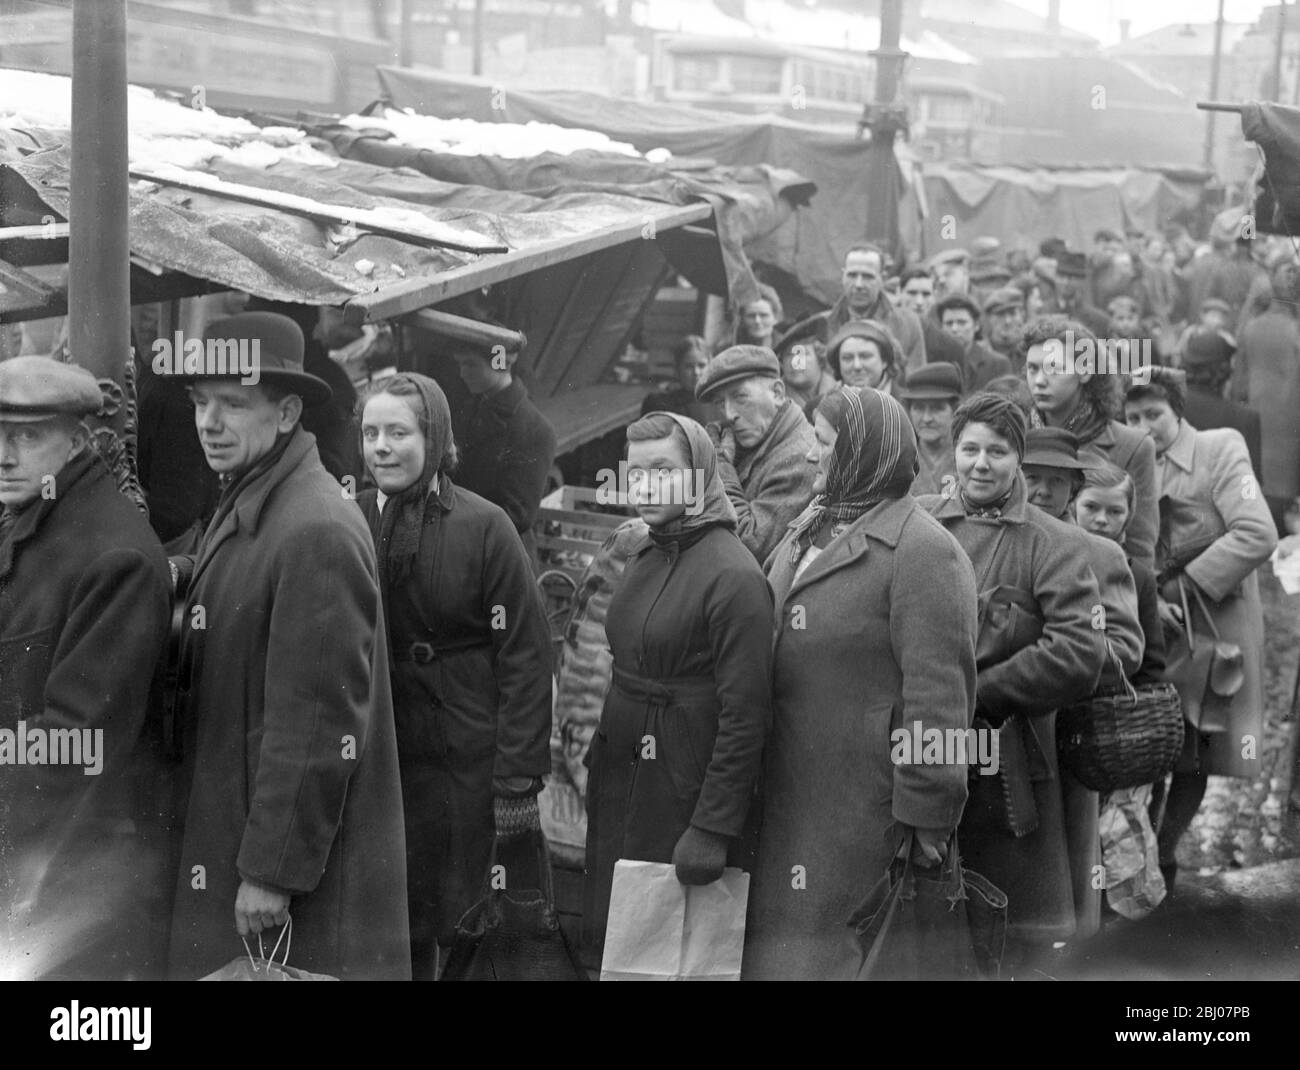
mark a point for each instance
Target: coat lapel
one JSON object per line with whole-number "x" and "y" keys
{"x": 883, "y": 523}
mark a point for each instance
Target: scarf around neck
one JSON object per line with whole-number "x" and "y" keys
{"x": 1086, "y": 424}
{"x": 874, "y": 460}
{"x": 402, "y": 518}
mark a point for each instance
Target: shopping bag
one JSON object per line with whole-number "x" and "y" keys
{"x": 264, "y": 967}
{"x": 662, "y": 930}
{"x": 1134, "y": 884}
{"x": 513, "y": 935}
{"x": 945, "y": 923}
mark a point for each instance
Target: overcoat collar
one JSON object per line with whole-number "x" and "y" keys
{"x": 884, "y": 523}
{"x": 504, "y": 403}
{"x": 1012, "y": 513}
{"x": 1181, "y": 449}
{"x": 246, "y": 513}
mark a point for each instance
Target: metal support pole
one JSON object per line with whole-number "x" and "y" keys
{"x": 1277, "y": 51}
{"x": 1214, "y": 89}
{"x": 884, "y": 118}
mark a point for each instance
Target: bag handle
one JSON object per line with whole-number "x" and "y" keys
{"x": 1196, "y": 593}
{"x": 544, "y": 873}
{"x": 1129, "y": 689}
{"x": 286, "y": 935}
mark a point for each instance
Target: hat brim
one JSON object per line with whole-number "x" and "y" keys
{"x": 703, "y": 392}
{"x": 33, "y": 416}
{"x": 929, "y": 393}
{"x": 1052, "y": 459}
{"x": 312, "y": 390}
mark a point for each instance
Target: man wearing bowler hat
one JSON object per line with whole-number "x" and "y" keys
{"x": 763, "y": 441}
{"x": 295, "y": 809}
{"x": 84, "y": 604}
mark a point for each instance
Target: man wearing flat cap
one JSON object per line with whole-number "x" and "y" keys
{"x": 763, "y": 442}
{"x": 84, "y": 605}
{"x": 1004, "y": 319}
{"x": 295, "y": 808}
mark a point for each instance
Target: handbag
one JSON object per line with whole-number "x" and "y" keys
{"x": 513, "y": 936}
{"x": 916, "y": 927}
{"x": 1206, "y": 671}
{"x": 1124, "y": 739}
{"x": 264, "y": 968}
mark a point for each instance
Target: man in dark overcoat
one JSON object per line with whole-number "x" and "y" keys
{"x": 295, "y": 807}
{"x": 84, "y": 604}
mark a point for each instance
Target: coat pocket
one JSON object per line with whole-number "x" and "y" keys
{"x": 24, "y": 670}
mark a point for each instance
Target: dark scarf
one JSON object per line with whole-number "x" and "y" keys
{"x": 874, "y": 460}
{"x": 1086, "y": 424}
{"x": 992, "y": 511}
{"x": 232, "y": 486}
{"x": 402, "y": 520}
{"x": 21, "y": 525}
{"x": 712, "y": 506}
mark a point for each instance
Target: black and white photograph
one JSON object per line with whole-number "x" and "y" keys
{"x": 651, "y": 490}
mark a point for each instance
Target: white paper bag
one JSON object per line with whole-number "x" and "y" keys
{"x": 662, "y": 930}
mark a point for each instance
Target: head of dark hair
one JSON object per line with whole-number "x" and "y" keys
{"x": 1105, "y": 476}
{"x": 955, "y": 301}
{"x": 1165, "y": 384}
{"x": 691, "y": 345}
{"x": 914, "y": 273}
{"x": 1100, "y": 391}
{"x": 1002, "y": 415}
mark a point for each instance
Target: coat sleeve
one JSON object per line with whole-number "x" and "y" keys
{"x": 782, "y": 494}
{"x": 102, "y": 667}
{"x": 1153, "y": 653}
{"x": 1065, "y": 663}
{"x": 1119, "y": 596}
{"x": 522, "y": 477}
{"x": 1251, "y": 535}
{"x": 738, "y": 612}
{"x": 317, "y": 703}
{"x": 521, "y": 649}
{"x": 933, "y": 628}
{"x": 1140, "y": 542}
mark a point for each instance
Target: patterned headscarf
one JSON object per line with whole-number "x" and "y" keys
{"x": 874, "y": 460}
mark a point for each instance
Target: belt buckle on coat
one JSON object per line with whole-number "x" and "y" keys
{"x": 422, "y": 653}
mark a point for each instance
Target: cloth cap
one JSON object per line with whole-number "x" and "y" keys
{"x": 939, "y": 381}
{"x": 1003, "y": 298}
{"x": 734, "y": 364}
{"x": 1052, "y": 447}
{"x": 1205, "y": 347}
{"x": 36, "y": 388}
{"x": 949, "y": 256}
{"x": 1072, "y": 266}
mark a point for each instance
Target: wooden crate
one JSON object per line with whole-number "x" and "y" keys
{"x": 571, "y": 526}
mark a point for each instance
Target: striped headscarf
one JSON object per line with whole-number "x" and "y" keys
{"x": 874, "y": 460}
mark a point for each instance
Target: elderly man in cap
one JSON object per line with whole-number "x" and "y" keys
{"x": 763, "y": 443}
{"x": 864, "y": 299}
{"x": 84, "y": 605}
{"x": 1004, "y": 319}
{"x": 295, "y": 809}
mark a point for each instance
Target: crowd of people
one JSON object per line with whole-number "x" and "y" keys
{"x": 904, "y": 512}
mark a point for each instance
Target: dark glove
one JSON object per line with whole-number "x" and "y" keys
{"x": 700, "y": 856}
{"x": 515, "y": 816}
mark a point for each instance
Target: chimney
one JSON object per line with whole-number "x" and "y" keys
{"x": 1054, "y": 16}
{"x": 1124, "y": 25}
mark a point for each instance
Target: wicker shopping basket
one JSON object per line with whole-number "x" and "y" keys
{"x": 1123, "y": 740}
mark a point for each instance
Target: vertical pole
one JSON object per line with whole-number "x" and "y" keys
{"x": 1214, "y": 89}
{"x": 1277, "y": 51}
{"x": 882, "y": 168}
{"x": 478, "y": 38}
{"x": 404, "y": 34}
{"x": 99, "y": 290}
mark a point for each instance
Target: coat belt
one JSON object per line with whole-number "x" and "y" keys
{"x": 423, "y": 652}
{"x": 666, "y": 689}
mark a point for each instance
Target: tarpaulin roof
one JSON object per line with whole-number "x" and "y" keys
{"x": 1275, "y": 128}
{"x": 1021, "y": 207}
{"x": 810, "y": 246}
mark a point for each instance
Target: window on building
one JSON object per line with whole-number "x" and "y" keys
{"x": 756, "y": 74}
{"x": 695, "y": 74}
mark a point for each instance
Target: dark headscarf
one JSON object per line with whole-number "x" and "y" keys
{"x": 872, "y": 332}
{"x": 874, "y": 460}
{"x": 712, "y": 506}
{"x": 403, "y": 515}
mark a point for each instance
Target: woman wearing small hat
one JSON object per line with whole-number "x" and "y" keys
{"x": 931, "y": 395}
{"x": 865, "y": 353}
{"x": 1037, "y": 651}
{"x": 1215, "y": 531}
{"x": 470, "y": 658}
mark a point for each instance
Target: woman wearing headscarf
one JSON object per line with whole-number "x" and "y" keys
{"x": 470, "y": 656}
{"x": 1038, "y": 650}
{"x": 875, "y": 637}
{"x": 866, "y": 353}
{"x": 677, "y": 752}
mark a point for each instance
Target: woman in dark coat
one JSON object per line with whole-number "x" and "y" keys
{"x": 690, "y": 628}
{"x": 876, "y": 633}
{"x": 470, "y": 656}
{"x": 1037, "y": 651}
